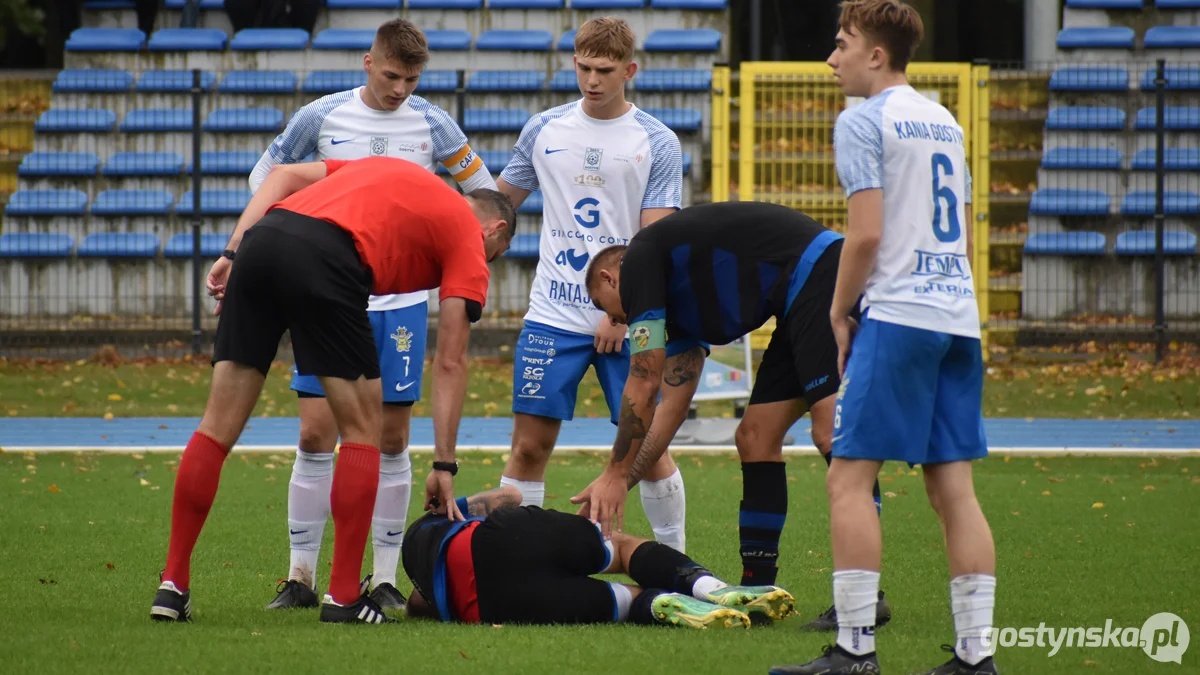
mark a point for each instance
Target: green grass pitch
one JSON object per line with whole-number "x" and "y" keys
{"x": 1079, "y": 541}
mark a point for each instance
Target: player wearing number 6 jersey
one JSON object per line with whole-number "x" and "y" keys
{"x": 913, "y": 384}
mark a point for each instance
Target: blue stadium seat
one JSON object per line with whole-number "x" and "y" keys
{"x": 143, "y": 164}
{"x": 514, "y": 40}
{"x": 259, "y": 82}
{"x": 1174, "y": 159}
{"x": 532, "y": 203}
{"x": 525, "y": 245}
{"x": 564, "y": 80}
{"x": 180, "y": 245}
{"x": 59, "y": 164}
{"x": 226, "y": 162}
{"x": 88, "y": 80}
{"x": 269, "y": 39}
{"x": 495, "y": 160}
{"x": 177, "y": 81}
{"x": 344, "y": 38}
{"x": 1176, "y": 118}
{"x": 35, "y": 245}
{"x": 1095, "y": 159}
{"x": 477, "y": 119}
{"x": 187, "y": 40}
{"x": 244, "y": 119}
{"x": 677, "y": 119}
{"x": 525, "y": 4}
{"x": 1109, "y": 37}
{"x": 506, "y": 80}
{"x": 1175, "y": 242}
{"x": 363, "y": 4}
{"x": 47, "y": 203}
{"x": 445, "y": 4}
{"x": 448, "y": 40}
{"x": 1172, "y": 37}
{"x": 118, "y": 245}
{"x": 1177, "y": 4}
{"x": 1178, "y": 78}
{"x": 1105, "y": 4}
{"x": 438, "y": 81}
{"x": 216, "y": 202}
{"x": 158, "y": 120}
{"x": 1090, "y": 78}
{"x": 695, "y": 5}
{"x": 109, "y": 4}
{"x": 607, "y": 4}
{"x": 1175, "y": 203}
{"x": 133, "y": 203}
{"x": 1065, "y": 243}
{"x": 566, "y": 43}
{"x": 687, "y": 163}
{"x": 1067, "y": 202}
{"x": 330, "y": 81}
{"x": 105, "y": 40}
{"x": 1086, "y": 117}
{"x": 673, "y": 79}
{"x": 76, "y": 120}
{"x": 204, "y": 4}
{"x": 683, "y": 40}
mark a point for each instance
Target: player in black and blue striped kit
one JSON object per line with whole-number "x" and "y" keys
{"x": 714, "y": 273}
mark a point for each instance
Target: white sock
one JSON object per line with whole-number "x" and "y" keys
{"x": 623, "y": 598}
{"x": 855, "y": 593}
{"x": 533, "y": 492}
{"x": 665, "y": 504}
{"x": 703, "y": 586}
{"x": 972, "y": 599}
{"x": 308, "y": 510}
{"x": 391, "y": 513}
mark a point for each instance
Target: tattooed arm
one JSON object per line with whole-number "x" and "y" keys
{"x": 483, "y": 504}
{"x": 638, "y": 401}
{"x": 680, "y": 378}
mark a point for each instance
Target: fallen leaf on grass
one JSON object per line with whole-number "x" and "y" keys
{"x": 228, "y": 564}
{"x": 108, "y": 417}
{"x": 1148, "y": 488}
{"x": 1089, "y": 662}
{"x": 53, "y": 488}
{"x": 487, "y": 486}
{"x": 1054, "y": 479}
{"x": 137, "y": 456}
{"x": 1106, "y": 479}
{"x": 48, "y": 581}
{"x": 487, "y": 461}
{"x": 143, "y": 482}
{"x": 268, "y": 466}
{"x": 1045, "y": 493}
{"x": 462, "y": 653}
{"x": 110, "y": 566}
{"x": 1098, "y": 505}
{"x": 114, "y": 397}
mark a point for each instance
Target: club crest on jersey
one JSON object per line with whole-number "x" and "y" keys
{"x": 641, "y": 337}
{"x": 379, "y": 145}
{"x": 403, "y": 339}
{"x": 591, "y": 159}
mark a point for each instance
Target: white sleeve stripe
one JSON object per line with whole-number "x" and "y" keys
{"x": 858, "y": 146}
{"x": 520, "y": 172}
{"x": 447, "y": 137}
{"x": 665, "y": 187}
{"x": 299, "y": 139}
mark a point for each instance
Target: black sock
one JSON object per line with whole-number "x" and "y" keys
{"x": 874, "y": 493}
{"x": 760, "y": 521}
{"x": 655, "y": 565}
{"x": 639, "y": 610}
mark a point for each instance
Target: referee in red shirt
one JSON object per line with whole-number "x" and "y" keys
{"x": 314, "y": 242}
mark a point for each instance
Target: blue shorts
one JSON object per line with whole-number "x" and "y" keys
{"x": 910, "y": 395}
{"x": 549, "y": 363}
{"x": 400, "y": 341}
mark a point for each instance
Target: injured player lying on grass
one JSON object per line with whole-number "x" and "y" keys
{"x": 521, "y": 564}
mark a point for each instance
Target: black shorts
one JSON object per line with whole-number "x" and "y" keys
{"x": 301, "y": 275}
{"x": 801, "y": 359}
{"x": 534, "y": 566}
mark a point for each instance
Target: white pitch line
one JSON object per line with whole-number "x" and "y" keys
{"x": 792, "y": 450}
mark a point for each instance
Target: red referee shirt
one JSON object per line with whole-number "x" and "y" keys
{"x": 411, "y": 229}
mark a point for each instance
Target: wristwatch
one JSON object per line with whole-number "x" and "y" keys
{"x": 228, "y": 253}
{"x": 449, "y": 467}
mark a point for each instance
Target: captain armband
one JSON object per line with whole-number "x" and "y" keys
{"x": 647, "y": 335}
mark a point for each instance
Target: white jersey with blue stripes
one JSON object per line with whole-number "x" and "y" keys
{"x": 342, "y": 126}
{"x": 596, "y": 177}
{"x": 913, "y": 149}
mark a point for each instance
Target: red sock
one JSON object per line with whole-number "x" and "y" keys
{"x": 195, "y": 488}
{"x": 355, "y": 481}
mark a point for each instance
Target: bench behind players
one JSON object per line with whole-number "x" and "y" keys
{"x": 520, "y": 564}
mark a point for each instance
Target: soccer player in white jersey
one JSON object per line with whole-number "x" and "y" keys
{"x": 913, "y": 384}
{"x": 606, "y": 169}
{"x": 382, "y": 118}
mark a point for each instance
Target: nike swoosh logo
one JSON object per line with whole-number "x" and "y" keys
{"x": 393, "y": 534}
{"x": 551, "y": 152}
{"x": 335, "y": 141}
{"x": 399, "y": 388}
{"x": 297, "y": 531}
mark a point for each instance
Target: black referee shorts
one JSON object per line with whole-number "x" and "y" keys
{"x": 301, "y": 275}
{"x": 534, "y": 566}
{"x": 801, "y": 359}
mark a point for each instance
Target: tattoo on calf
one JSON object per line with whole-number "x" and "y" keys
{"x": 629, "y": 429}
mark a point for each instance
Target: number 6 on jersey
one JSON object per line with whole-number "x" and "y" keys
{"x": 940, "y": 193}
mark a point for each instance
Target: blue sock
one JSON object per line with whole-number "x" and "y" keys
{"x": 760, "y": 521}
